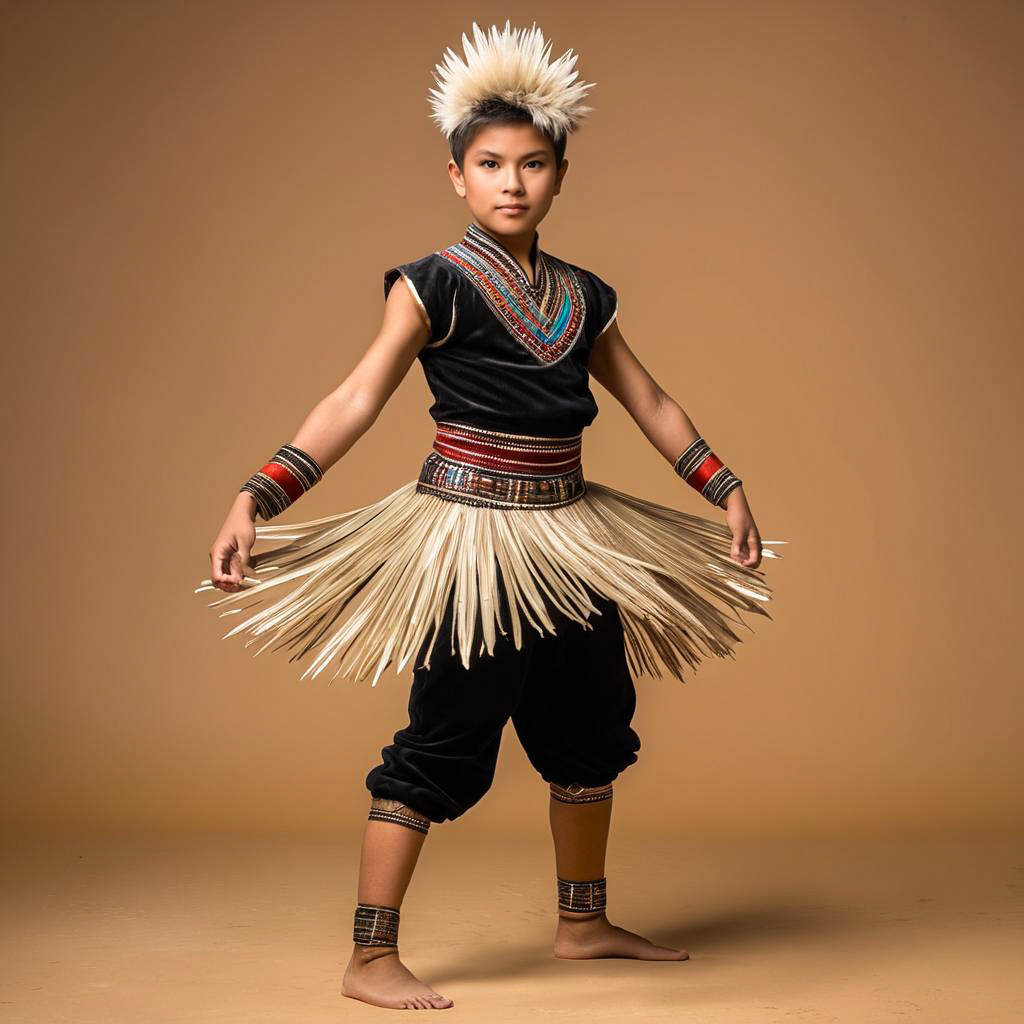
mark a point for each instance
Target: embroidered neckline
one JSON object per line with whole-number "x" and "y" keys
{"x": 476, "y": 235}
{"x": 546, "y": 317}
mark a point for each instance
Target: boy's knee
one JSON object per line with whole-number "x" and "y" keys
{"x": 395, "y": 812}
{"x": 437, "y": 791}
{"x": 590, "y": 762}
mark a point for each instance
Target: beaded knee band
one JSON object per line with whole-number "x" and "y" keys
{"x": 375, "y": 925}
{"x": 394, "y": 811}
{"x": 581, "y": 794}
{"x": 582, "y": 896}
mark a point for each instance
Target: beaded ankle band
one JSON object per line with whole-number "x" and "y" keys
{"x": 286, "y": 477}
{"x": 705, "y": 472}
{"x": 582, "y": 896}
{"x": 580, "y": 794}
{"x": 375, "y": 925}
{"x": 394, "y": 811}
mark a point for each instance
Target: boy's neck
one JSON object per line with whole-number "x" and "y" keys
{"x": 523, "y": 248}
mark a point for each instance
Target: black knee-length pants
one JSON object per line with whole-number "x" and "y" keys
{"x": 570, "y": 696}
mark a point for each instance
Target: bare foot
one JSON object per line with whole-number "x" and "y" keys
{"x": 588, "y": 936}
{"x": 376, "y": 975}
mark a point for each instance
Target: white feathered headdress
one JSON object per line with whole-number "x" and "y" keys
{"x": 510, "y": 65}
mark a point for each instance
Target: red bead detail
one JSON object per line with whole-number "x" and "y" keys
{"x": 289, "y": 482}
{"x": 550, "y": 455}
{"x": 704, "y": 472}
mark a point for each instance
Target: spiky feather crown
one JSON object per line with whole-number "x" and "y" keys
{"x": 511, "y": 65}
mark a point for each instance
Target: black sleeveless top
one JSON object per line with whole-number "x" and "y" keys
{"x": 506, "y": 353}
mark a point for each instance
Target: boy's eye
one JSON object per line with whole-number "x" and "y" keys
{"x": 484, "y": 163}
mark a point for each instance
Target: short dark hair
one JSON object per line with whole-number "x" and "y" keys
{"x": 497, "y": 111}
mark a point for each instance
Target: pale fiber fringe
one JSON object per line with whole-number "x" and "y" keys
{"x": 405, "y": 552}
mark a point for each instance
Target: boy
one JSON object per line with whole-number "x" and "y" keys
{"x": 502, "y": 520}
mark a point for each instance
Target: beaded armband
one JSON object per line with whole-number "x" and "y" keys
{"x": 286, "y": 477}
{"x": 705, "y": 472}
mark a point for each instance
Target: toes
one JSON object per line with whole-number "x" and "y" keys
{"x": 434, "y": 1002}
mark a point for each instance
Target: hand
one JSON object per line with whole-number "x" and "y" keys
{"x": 229, "y": 556}
{"x": 746, "y": 541}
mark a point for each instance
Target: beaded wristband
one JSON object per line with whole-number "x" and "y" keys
{"x": 582, "y": 896}
{"x": 375, "y": 926}
{"x": 286, "y": 477}
{"x": 705, "y": 472}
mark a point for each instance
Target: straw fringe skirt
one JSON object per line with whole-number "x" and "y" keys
{"x": 394, "y": 564}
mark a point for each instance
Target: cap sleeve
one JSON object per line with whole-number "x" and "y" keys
{"x": 434, "y": 288}
{"x": 607, "y": 305}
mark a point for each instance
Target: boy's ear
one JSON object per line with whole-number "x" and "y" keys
{"x": 456, "y": 176}
{"x": 562, "y": 168}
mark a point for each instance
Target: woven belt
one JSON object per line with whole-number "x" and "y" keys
{"x": 493, "y": 469}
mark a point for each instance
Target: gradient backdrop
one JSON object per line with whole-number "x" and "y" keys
{"x": 812, "y": 215}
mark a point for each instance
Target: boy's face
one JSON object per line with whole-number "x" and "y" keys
{"x": 509, "y": 178}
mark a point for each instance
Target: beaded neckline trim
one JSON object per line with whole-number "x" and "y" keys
{"x": 545, "y": 316}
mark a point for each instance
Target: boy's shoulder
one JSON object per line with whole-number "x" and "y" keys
{"x": 428, "y": 267}
{"x": 433, "y": 286}
{"x": 601, "y": 291}
{"x": 439, "y": 272}
{"x": 428, "y": 261}
{"x": 585, "y": 272}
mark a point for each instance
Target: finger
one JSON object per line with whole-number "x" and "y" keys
{"x": 220, "y": 581}
{"x": 243, "y": 556}
{"x": 754, "y": 547}
{"x": 218, "y": 567}
{"x": 737, "y": 549}
{"x": 226, "y": 578}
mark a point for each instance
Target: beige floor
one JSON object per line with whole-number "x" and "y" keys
{"x": 257, "y": 929}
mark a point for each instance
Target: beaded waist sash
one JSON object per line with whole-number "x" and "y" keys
{"x": 493, "y": 469}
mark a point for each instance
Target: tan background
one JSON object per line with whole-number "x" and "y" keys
{"x": 812, "y": 215}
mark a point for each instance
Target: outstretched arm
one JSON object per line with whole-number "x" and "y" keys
{"x": 333, "y": 425}
{"x": 665, "y": 424}
{"x": 339, "y": 419}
